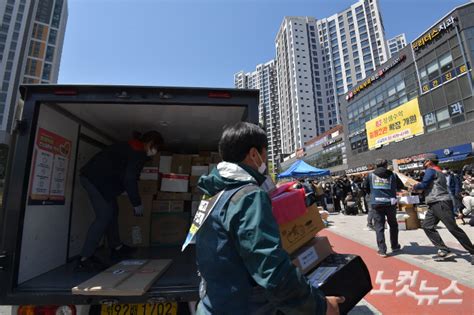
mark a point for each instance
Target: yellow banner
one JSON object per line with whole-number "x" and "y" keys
{"x": 400, "y": 123}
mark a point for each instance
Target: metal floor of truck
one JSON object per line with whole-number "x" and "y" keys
{"x": 181, "y": 275}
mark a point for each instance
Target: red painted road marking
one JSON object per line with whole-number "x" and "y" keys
{"x": 391, "y": 266}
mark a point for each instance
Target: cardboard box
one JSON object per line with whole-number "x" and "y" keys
{"x": 196, "y": 191}
{"x": 181, "y": 164}
{"x": 412, "y": 222}
{"x": 407, "y": 181}
{"x": 168, "y": 206}
{"x": 173, "y": 196}
{"x": 174, "y": 182}
{"x": 215, "y": 157}
{"x": 401, "y": 220}
{"x": 150, "y": 173}
{"x": 127, "y": 278}
{"x": 409, "y": 200}
{"x": 201, "y": 160}
{"x": 147, "y": 187}
{"x": 134, "y": 231}
{"x": 193, "y": 180}
{"x": 199, "y": 170}
{"x": 197, "y": 197}
{"x": 169, "y": 229}
{"x": 165, "y": 164}
{"x": 310, "y": 255}
{"x": 296, "y": 233}
{"x": 154, "y": 161}
{"x": 343, "y": 275}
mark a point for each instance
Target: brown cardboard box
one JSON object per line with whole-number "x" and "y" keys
{"x": 127, "y": 278}
{"x": 154, "y": 161}
{"x": 196, "y": 191}
{"x": 181, "y": 164}
{"x": 413, "y": 222}
{"x": 174, "y": 183}
{"x": 193, "y": 181}
{"x": 173, "y": 196}
{"x": 134, "y": 231}
{"x": 149, "y": 173}
{"x": 298, "y": 232}
{"x": 168, "y": 206}
{"x": 310, "y": 255}
{"x": 147, "y": 187}
{"x": 165, "y": 163}
{"x": 201, "y": 160}
{"x": 197, "y": 197}
{"x": 169, "y": 229}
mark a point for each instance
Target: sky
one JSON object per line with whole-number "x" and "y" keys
{"x": 200, "y": 43}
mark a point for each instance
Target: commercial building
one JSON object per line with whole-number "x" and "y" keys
{"x": 420, "y": 100}
{"x": 31, "y": 40}
{"x": 264, "y": 78}
{"x": 396, "y": 44}
{"x": 326, "y": 151}
{"x": 317, "y": 60}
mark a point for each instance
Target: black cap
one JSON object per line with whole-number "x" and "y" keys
{"x": 381, "y": 163}
{"x": 431, "y": 157}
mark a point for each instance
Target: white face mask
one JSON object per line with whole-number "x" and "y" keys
{"x": 151, "y": 152}
{"x": 263, "y": 167}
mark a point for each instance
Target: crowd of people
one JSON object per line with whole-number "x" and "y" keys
{"x": 346, "y": 194}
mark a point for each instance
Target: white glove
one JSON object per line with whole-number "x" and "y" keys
{"x": 138, "y": 211}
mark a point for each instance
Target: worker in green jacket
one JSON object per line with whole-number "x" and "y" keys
{"x": 243, "y": 267}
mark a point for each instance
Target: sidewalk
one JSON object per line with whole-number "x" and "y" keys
{"x": 447, "y": 286}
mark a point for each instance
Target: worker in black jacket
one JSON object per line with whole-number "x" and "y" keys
{"x": 114, "y": 170}
{"x": 382, "y": 185}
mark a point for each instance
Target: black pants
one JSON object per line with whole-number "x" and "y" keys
{"x": 442, "y": 211}
{"x": 379, "y": 213}
{"x": 337, "y": 204}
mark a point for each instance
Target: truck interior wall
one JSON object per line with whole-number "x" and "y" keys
{"x": 82, "y": 213}
{"x": 45, "y": 228}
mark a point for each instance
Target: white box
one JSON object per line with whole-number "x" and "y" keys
{"x": 165, "y": 164}
{"x": 149, "y": 173}
{"x": 409, "y": 200}
{"x": 199, "y": 170}
{"x": 175, "y": 182}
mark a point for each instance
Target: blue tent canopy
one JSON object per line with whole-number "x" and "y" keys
{"x": 302, "y": 169}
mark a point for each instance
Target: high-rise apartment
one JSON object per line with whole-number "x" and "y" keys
{"x": 395, "y": 44}
{"x": 264, "y": 78}
{"x": 317, "y": 60}
{"x": 31, "y": 40}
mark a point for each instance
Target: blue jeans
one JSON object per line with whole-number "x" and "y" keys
{"x": 105, "y": 222}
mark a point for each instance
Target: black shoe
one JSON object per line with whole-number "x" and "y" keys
{"x": 397, "y": 249}
{"x": 370, "y": 227}
{"x": 123, "y": 253}
{"x": 91, "y": 264}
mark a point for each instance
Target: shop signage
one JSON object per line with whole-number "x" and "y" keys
{"x": 455, "y": 109}
{"x": 375, "y": 77}
{"x": 331, "y": 142}
{"x": 300, "y": 153}
{"x": 416, "y": 161}
{"x": 448, "y": 76}
{"x": 400, "y": 123}
{"x": 434, "y": 33}
{"x": 356, "y": 133}
{"x": 359, "y": 169}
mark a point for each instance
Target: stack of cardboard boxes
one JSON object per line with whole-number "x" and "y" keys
{"x": 407, "y": 212}
{"x": 170, "y": 197}
{"x": 334, "y": 274}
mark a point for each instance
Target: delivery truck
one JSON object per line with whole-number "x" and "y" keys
{"x": 46, "y": 212}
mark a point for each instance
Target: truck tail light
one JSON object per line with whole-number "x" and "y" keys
{"x": 65, "y": 92}
{"x": 47, "y": 310}
{"x": 219, "y": 95}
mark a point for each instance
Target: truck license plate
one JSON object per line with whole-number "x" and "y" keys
{"x": 165, "y": 308}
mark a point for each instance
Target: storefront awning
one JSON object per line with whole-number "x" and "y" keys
{"x": 453, "y": 158}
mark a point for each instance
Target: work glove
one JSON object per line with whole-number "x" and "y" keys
{"x": 138, "y": 211}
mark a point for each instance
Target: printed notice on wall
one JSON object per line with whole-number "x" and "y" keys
{"x": 51, "y": 159}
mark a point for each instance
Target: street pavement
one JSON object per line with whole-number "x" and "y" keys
{"x": 429, "y": 279}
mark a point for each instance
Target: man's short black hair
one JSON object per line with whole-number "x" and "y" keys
{"x": 381, "y": 163}
{"x": 237, "y": 140}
